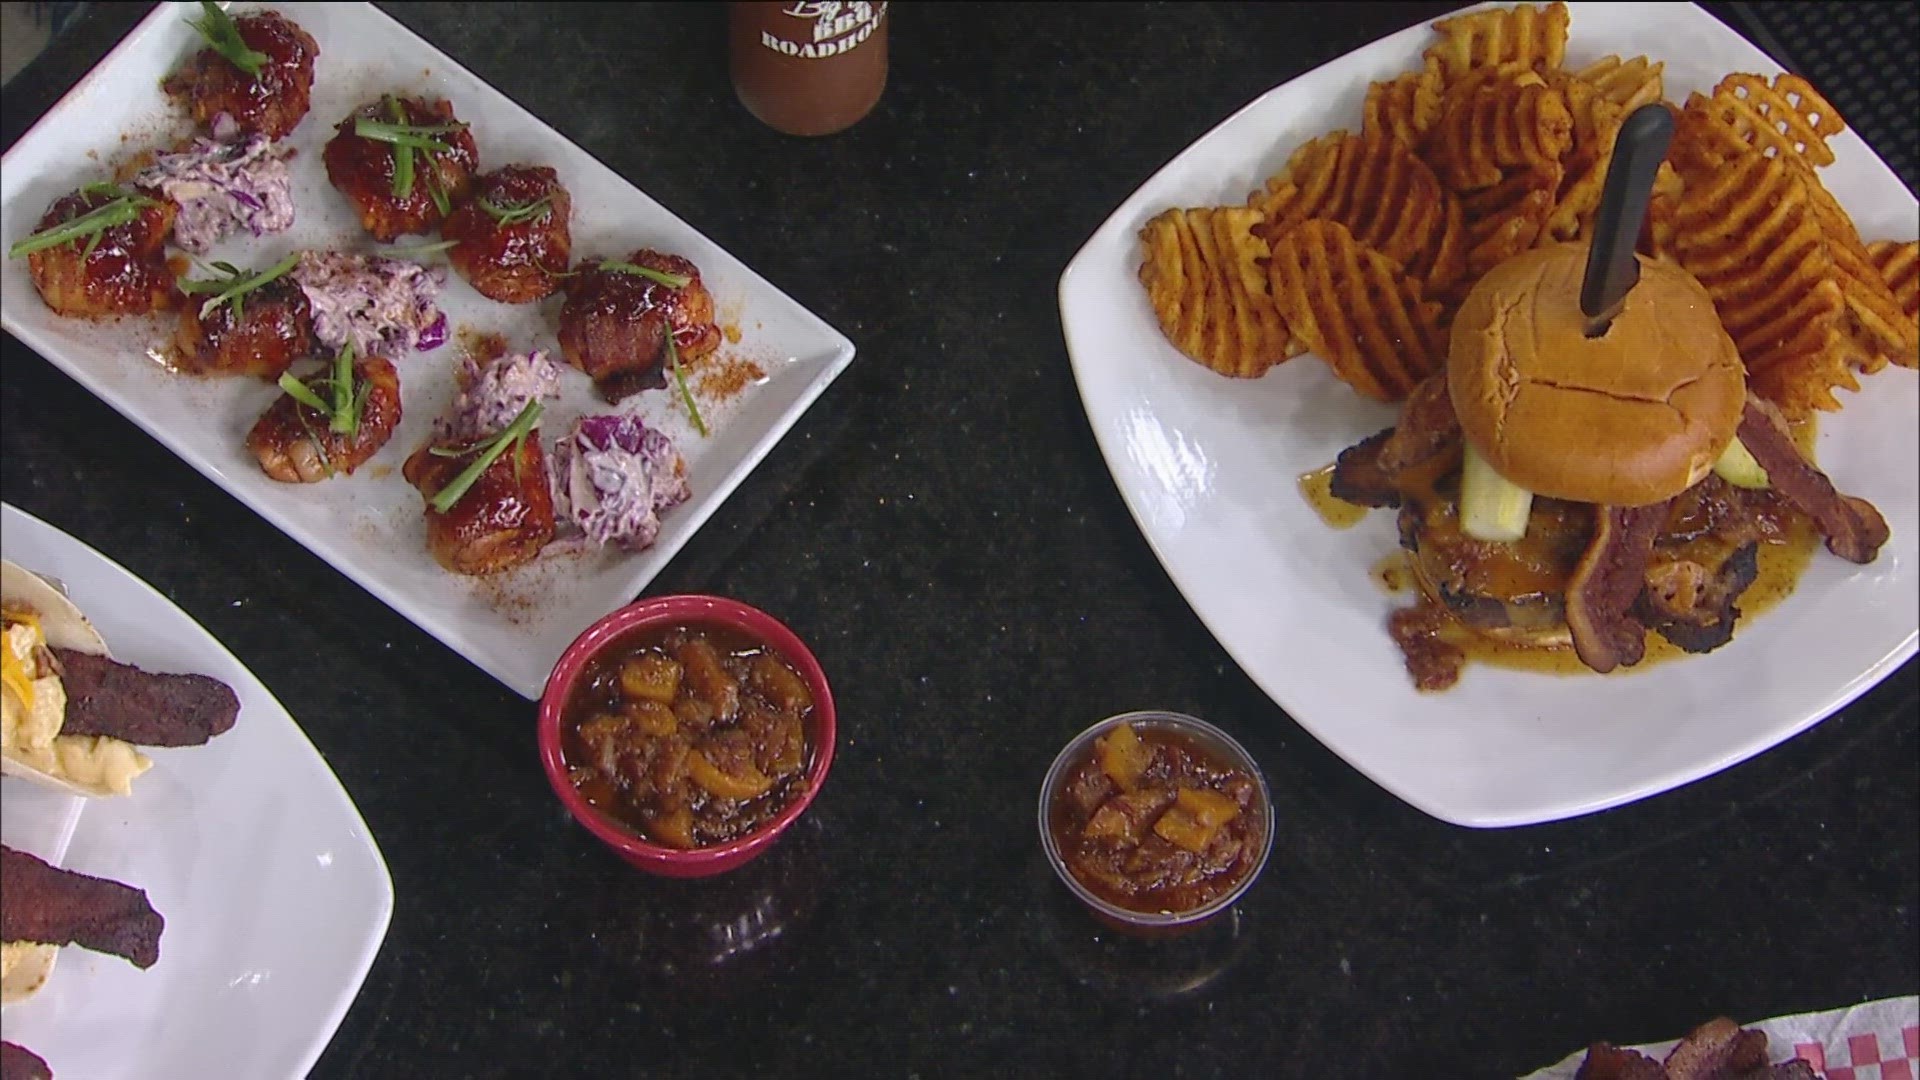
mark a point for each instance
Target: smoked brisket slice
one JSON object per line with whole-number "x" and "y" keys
{"x": 46, "y": 905}
{"x": 105, "y": 697}
{"x": 20, "y": 1063}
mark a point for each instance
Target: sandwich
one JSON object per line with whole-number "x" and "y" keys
{"x": 1561, "y": 490}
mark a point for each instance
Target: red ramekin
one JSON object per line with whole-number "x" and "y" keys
{"x": 688, "y": 611}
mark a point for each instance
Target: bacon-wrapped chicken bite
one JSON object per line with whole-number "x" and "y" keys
{"x": 330, "y": 423}
{"x": 99, "y": 252}
{"x": 258, "y": 72}
{"x": 617, "y": 316}
{"x": 488, "y": 505}
{"x": 511, "y": 239}
{"x": 244, "y": 324}
{"x": 404, "y": 164}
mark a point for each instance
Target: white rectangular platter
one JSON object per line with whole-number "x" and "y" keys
{"x": 369, "y": 525}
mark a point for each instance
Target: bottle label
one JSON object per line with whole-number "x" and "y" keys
{"x": 838, "y": 27}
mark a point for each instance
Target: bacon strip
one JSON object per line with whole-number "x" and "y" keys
{"x": 47, "y": 905}
{"x": 145, "y": 708}
{"x": 1853, "y": 528}
{"x": 1607, "y": 581}
{"x": 1427, "y": 426}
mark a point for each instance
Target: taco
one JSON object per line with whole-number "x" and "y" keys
{"x": 74, "y": 717}
{"x": 37, "y": 619}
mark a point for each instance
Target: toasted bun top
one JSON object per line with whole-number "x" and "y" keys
{"x": 1632, "y": 417}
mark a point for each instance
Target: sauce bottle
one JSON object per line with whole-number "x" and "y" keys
{"x": 808, "y": 67}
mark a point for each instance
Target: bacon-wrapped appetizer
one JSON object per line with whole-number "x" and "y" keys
{"x": 488, "y": 505}
{"x": 330, "y": 423}
{"x": 483, "y": 474}
{"x": 99, "y": 252}
{"x": 257, "y": 72}
{"x": 404, "y": 163}
{"x": 253, "y": 324}
{"x": 511, "y": 240}
{"x": 616, "y": 322}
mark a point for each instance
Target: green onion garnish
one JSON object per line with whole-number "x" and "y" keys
{"x": 420, "y": 249}
{"x": 406, "y": 138}
{"x": 440, "y": 200}
{"x": 513, "y": 434}
{"x": 90, "y": 224}
{"x": 680, "y": 377}
{"x": 398, "y": 130}
{"x": 402, "y": 155}
{"x": 224, "y": 36}
{"x": 402, "y": 138}
{"x": 514, "y": 215}
{"x": 349, "y": 395}
{"x": 671, "y": 281}
{"x": 301, "y": 393}
{"x": 236, "y": 285}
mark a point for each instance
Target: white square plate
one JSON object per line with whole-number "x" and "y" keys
{"x": 274, "y": 895}
{"x": 1208, "y": 465}
{"x": 369, "y": 525}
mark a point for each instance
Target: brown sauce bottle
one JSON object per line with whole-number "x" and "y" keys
{"x": 808, "y": 67}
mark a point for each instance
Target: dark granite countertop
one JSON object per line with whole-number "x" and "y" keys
{"x": 942, "y": 530}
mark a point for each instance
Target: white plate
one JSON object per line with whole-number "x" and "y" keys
{"x": 1207, "y": 466}
{"x": 369, "y": 526}
{"x": 274, "y": 894}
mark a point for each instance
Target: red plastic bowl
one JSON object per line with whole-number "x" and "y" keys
{"x": 683, "y": 611}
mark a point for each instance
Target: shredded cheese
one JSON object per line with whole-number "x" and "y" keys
{"x": 13, "y": 667}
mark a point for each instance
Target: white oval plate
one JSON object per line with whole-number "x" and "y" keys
{"x": 274, "y": 894}
{"x": 1207, "y": 465}
{"x": 370, "y": 525}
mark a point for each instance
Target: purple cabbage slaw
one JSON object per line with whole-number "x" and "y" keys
{"x": 384, "y": 307}
{"x": 491, "y": 396}
{"x": 222, "y": 187}
{"x": 613, "y": 476}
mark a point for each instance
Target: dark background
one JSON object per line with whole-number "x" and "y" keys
{"x": 941, "y": 528}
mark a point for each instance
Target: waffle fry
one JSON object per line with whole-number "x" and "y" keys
{"x": 1371, "y": 183}
{"x": 1492, "y": 146}
{"x": 1356, "y": 309}
{"x": 1596, "y": 122}
{"x": 1747, "y": 230}
{"x": 1713, "y": 135}
{"x": 1899, "y": 266}
{"x": 1877, "y": 329}
{"x": 1508, "y": 218}
{"x": 1536, "y": 36}
{"x": 1205, "y": 279}
{"x": 1504, "y": 124}
{"x": 1305, "y": 184}
{"x": 1628, "y": 84}
{"x": 1663, "y": 206}
{"x": 1447, "y": 278}
{"x": 1788, "y": 118}
{"x": 1406, "y": 107}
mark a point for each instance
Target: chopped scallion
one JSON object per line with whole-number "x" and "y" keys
{"x": 671, "y": 281}
{"x": 514, "y": 214}
{"x": 680, "y": 378}
{"x": 89, "y": 225}
{"x": 221, "y": 33}
{"x": 513, "y": 434}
